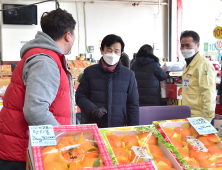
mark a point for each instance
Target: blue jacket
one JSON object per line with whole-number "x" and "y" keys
{"x": 148, "y": 75}
{"x": 116, "y": 92}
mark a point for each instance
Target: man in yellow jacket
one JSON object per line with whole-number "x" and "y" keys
{"x": 199, "y": 78}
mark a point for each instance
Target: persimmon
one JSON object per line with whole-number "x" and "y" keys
{"x": 89, "y": 162}
{"x": 151, "y": 138}
{"x": 130, "y": 138}
{"x": 170, "y": 169}
{"x": 114, "y": 141}
{"x": 164, "y": 160}
{"x": 206, "y": 164}
{"x": 155, "y": 150}
{"x": 219, "y": 163}
{"x": 198, "y": 155}
{"x": 74, "y": 155}
{"x": 90, "y": 150}
{"x": 134, "y": 159}
{"x": 183, "y": 132}
{"x": 168, "y": 132}
{"x": 120, "y": 152}
{"x": 176, "y": 143}
{"x": 68, "y": 140}
{"x": 122, "y": 160}
{"x": 50, "y": 154}
{"x": 193, "y": 164}
{"x": 55, "y": 166}
{"x": 194, "y": 133}
{"x": 183, "y": 152}
{"x": 214, "y": 150}
{"x": 205, "y": 141}
{"x": 213, "y": 138}
{"x": 185, "y": 143}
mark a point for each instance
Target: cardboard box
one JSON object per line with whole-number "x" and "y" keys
{"x": 168, "y": 126}
{"x": 5, "y": 82}
{"x": 137, "y": 131}
{"x": 74, "y": 145}
{"x": 174, "y": 91}
{"x": 175, "y": 102}
{"x": 218, "y": 109}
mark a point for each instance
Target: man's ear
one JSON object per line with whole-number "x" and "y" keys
{"x": 198, "y": 45}
{"x": 101, "y": 51}
{"x": 67, "y": 36}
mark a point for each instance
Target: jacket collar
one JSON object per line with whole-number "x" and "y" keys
{"x": 193, "y": 62}
{"x": 118, "y": 67}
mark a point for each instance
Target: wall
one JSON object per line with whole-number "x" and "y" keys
{"x": 136, "y": 26}
{"x": 200, "y": 17}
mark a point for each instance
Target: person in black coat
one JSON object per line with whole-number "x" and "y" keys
{"x": 148, "y": 75}
{"x": 125, "y": 60}
{"x": 107, "y": 94}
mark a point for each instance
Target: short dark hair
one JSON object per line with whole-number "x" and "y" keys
{"x": 146, "y": 49}
{"x": 193, "y": 34}
{"x": 112, "y": 39}
{"x": 56, "y": 23}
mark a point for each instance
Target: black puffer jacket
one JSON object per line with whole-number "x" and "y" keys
{"x": 148, "y": 75}
{"x": 116, "y": 92}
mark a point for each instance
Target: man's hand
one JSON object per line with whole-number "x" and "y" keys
{"x": 98, "y": 112}
{"x": 218, "y": 98}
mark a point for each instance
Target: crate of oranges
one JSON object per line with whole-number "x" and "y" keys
{"x": 135, "y": 144}
{"x": 77, "y": 147}
{"x": 190, "y": 149}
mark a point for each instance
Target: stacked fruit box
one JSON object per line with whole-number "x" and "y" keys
{"x": 136, "y": 144}
{"x": 191, "y": 150}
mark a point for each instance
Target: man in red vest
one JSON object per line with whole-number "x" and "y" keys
{"x": 41, "y": 89}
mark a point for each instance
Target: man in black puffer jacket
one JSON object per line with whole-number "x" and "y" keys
{"x": 107, "y": 94}
{"x": 148, "y": 75}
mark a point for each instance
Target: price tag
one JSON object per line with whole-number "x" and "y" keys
{"x": 201, "y": 125}
{"x": 217, "y": 32}
{"x": 42, "y": 135}
{"x": 219, "y": 44}
{"x": 196, "y": 144}
{"x": 142, "y": 153}
{"x": 185, "y": 83}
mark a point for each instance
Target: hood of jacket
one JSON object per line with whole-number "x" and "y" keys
{"x": 144, "y": 59}
{"x": 41, "y": 40}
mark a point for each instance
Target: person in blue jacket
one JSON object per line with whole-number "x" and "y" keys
{"x": 107, "y": 94}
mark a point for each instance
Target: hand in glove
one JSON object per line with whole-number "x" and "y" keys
{"x": 98, "y": 112}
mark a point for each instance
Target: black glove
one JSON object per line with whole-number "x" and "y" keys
{"x": 98, "y": 112}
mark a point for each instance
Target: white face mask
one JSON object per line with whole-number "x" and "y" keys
{"x": 187, "y": 53}
{"x": 111, "y": 58}
{"x": 70, "y": 51}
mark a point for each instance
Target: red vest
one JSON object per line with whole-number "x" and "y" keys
{"x": 13, "y": 126}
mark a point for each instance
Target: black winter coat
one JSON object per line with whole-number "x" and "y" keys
{"x": 148, "y": 75}
{"x": 116, "y": 92}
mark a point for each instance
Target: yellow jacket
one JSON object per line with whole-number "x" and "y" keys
{"x": 201, "y": 92}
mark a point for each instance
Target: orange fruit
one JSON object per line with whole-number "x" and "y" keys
{"x": 213, "y": 138}
{"x": 114, "y": 141}
{"x": 155, "y": 150}
{"x": 192, "y": 163}
{"x": 183, "y": 152}
{"x": 74, "y": 155}
{"x": 130, "y": 138}
{"x": 219, "y": 163}
{"x": 205, "y": 141}
{"x": 90, "y": 150}
{"x": 206, "y": 164}
{"x": 170, "y": 169}
{"x": 176, "y": 143}
{"x": 168, "y": 132}
{"x": 55, "y": 166}
{"x": 194, "y": 133}
{"x": 50, "y": 154}
{"x": 152, "y": 139}
{"x": 122, "y": 160}
{"x": 89, "y": 162}
{"x": 165, "y": 160}
{"x": 198, "y": 155}
{"x": 68, "y": 140}
{"x": 183, "y": 132}
{"x": 120, "y": 152}
{"x": 214, "y": 150}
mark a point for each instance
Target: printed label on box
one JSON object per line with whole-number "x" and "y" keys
{"x": 42, "y": 135}
{"x": 201, "y": 125}
{"x": 142, "y": 153}
{"x": 196, "y": 144}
